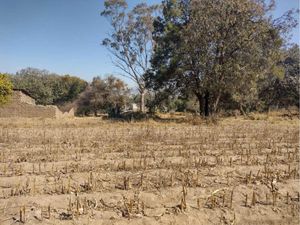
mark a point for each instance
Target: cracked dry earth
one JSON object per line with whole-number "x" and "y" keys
{"x": 89, "y": 171}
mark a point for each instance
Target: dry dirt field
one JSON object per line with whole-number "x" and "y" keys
{"x": 90, "y": 171}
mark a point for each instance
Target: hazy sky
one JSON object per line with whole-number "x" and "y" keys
{"x": 64, "y": 36}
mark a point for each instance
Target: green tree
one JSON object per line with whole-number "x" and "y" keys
{"x": 164, "y": 78}
{"x": 5, "y": 88}
{"x": 35, "y": 82}
{"x": 48, "y": 88}
{"x": 67, "y": 88}
{"x": 218, "y": 48}
{"x": 283, "y": 91}
{"x": 130, "y": 42}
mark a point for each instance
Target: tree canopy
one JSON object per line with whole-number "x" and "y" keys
{"x": 284, "y": 91}
{"x": 48, "y": 88}
{"x": 108, "y": 95}
{"x": 214, "y": 49}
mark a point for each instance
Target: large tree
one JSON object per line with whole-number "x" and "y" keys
{"x": 5, "y": 88}
{"x": 216, "y": 48}
{"x": 130, "y": 41}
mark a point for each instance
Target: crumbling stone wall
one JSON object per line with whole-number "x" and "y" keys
{"x": 19, "y": 96}
{"x": 60, "y": 114}
{"x": 22, "y": 105}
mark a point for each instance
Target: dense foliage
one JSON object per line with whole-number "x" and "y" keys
{"x": 284, "y": 91}
{"x": 108, "y": 95}
{"x": 5, "y": 88}
{"x": 48, "y": 88}
{"x": 219, "y": 51}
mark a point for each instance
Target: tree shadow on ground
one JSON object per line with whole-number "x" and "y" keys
{"x": 144, "y": 117}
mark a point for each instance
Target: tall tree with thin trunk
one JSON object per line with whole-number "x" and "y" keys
{"x": 130, "y": 41}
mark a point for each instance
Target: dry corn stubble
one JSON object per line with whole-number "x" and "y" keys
{"x": 87, "y": 169}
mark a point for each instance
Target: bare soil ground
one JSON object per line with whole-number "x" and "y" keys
{"x": 89, "y": 171}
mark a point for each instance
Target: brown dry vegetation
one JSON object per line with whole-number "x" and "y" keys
{"x": 89, "y": 171}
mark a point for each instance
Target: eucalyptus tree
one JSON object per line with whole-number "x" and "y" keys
{"x": 130, "y": 41}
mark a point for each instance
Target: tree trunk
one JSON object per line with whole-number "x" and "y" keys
{"x": 242, "y": 110}
{"x": 201, "y": 101}
{"x": 142, "y": 102}
{"x": 216, "y": 103}
{"x": 206, "y": 110}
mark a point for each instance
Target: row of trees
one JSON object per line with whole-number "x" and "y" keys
{"x": 223, "y": 54}
{"x": 226, "y": 53}
{"x": 111, "y": 95}
{"x": 107, "y": 95}
{"x": 48, "y": 88}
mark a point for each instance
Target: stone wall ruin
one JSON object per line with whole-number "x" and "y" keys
{"x": 22, "y": 105}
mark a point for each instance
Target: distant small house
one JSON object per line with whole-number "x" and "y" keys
{"x": 134, "y": 107}
{"x": 21, "y": 104}
{"x": 131, "y": 107}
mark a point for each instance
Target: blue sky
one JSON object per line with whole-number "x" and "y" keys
{"x": 64, "y": 36}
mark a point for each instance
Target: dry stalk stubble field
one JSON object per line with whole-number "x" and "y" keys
{"x": 89, "y": 171}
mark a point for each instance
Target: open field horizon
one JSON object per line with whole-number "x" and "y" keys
{"x": 189, "y": 117}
